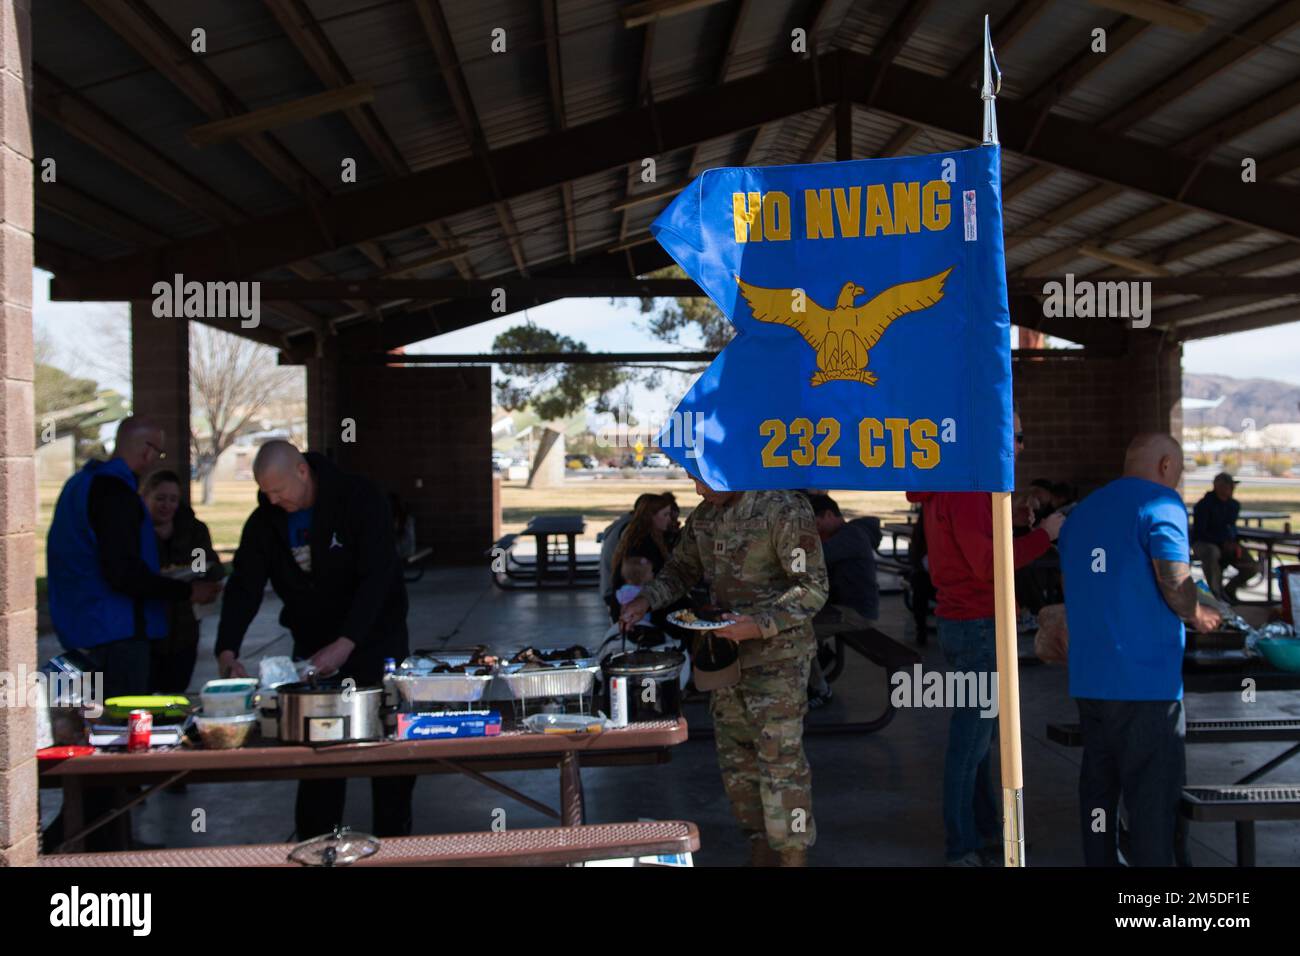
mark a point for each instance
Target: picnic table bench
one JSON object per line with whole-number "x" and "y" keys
{"x": 510, "y": 571}
{"x": 1242, "y": 806}
{"x": 1241, "y": 802}
{"x": 546, "y": 846}
{"x": 883, "y": 651}
{"x": 642, "y": 743}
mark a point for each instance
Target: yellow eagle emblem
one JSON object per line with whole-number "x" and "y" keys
{"x": 841, "y": 336}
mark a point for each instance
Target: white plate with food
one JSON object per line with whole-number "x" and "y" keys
{"x": 696, "y": 621}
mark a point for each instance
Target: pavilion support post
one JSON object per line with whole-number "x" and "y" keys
{"x": 160, "y": 383}
{"x": 324, "y": 421}
{"x": 18, "y": 805}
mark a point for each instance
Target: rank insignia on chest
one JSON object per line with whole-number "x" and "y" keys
{"x": 719, "y": 547}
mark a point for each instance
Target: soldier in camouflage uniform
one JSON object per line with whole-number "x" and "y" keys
{"x": 760, "y": 554}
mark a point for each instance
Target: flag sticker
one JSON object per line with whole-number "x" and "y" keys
{"x": 968, "y": 214}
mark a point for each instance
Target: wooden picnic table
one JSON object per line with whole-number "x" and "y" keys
{"x": 1286, "y": 542}
{"x": 638, "y": 744}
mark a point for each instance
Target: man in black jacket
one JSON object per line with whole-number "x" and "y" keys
{"x": 324, "y": 539}
{"x": 1214, "y": 539}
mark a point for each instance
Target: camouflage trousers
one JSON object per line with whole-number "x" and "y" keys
{"x": 758, "y": 725}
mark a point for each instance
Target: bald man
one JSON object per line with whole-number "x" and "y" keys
{"x": 106, "y": 596}
{"x": 107, "y": 599}
{"x": 1128, "y": 588}
{"x": 324, "y": 540}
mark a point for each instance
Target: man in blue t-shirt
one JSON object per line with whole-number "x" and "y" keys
{"x": 1128, "y": 589}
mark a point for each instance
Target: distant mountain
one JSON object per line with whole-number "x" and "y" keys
{"x": 1265, "y": 400}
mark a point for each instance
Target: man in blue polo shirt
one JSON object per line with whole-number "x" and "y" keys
{"x": 1128, "y": 589}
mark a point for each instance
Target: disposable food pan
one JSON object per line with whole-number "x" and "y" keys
{"x": 550, "y": 681}
{"x": 455, "y": 688}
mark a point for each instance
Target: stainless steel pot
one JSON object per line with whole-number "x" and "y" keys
{"x": 329, "y": 713}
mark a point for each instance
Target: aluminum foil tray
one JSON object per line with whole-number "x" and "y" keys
{"x": 551, "y": 681}
{"x": 448, "y": 688}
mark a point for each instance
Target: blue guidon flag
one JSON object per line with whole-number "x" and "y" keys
{"x": 872, "y": 344}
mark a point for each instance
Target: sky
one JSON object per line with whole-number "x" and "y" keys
{"x": 84, "y": 343}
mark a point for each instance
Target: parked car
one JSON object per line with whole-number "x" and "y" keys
{"x": 657, "y": 459}
{"x": 577, "y": 461}
{"x": 500, "y": 461}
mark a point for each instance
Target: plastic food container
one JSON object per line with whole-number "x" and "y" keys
{"x": 1282, "y": 652}
{"x": 160, "y": 705}
{"x": 226, "y": 698}
{"x": 224, "y": 733}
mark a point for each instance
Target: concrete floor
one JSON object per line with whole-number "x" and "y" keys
{"x": 876, "y": 797}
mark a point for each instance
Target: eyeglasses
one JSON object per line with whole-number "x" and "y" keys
{"x": 161, "y": 454}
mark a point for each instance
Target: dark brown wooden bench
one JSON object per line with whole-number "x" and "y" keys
{"x": 547, "y": 846}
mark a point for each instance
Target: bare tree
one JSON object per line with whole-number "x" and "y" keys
{"x": 233, "y": 380}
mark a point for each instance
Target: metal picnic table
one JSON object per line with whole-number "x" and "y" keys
{"x": 576, "y": 572}
{"x": 638, "y": 744}
{"x": 1285, "y": 542}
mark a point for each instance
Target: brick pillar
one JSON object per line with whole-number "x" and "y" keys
{"x": 1079, "y": 414}
{"x": 323, "y": 417}
{"x": 18, "y": 816}
{"x": 160, "y": 383}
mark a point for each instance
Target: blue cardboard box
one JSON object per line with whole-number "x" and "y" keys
{"x": 440, "y": 725}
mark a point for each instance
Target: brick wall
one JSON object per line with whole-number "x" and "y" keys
{"x": 18, "y": 817}
{"x": 425, "y": 433}
{"x": 1080, "y": 414}
{"x": 160, "y": 383}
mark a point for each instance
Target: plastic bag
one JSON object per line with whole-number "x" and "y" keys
{"x": 274, "y": 671}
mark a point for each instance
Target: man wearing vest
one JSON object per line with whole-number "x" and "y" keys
{"x": 107, "y": 600}
{"x": 324, "y": 539}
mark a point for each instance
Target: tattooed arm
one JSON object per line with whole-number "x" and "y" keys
{"x": 1179, "y": 591}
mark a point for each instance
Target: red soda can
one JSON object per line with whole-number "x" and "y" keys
{"x": 139, "y": 729}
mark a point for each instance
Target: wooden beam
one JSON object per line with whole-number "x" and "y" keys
{"x": 1160, "y": 13}
{"x": 653, "y": 195}
{"x": 1137, "y": 266}
{"x": 647, "y": 12}
{"x": 136, "y": 23}
{"x": 1240, "y": 323}
{"x": 742, "y": 104}
{"x": 302, "y": 29}
{"x": 1004, "y": 36}
{"x": 1242, "y": 44}
{"x": 444, "y": 50}
{"x": 86, "y": 210}
{"x": 281, "y": 114}
{"x": 555, "y": 83}
{"x": 77, "y": 116}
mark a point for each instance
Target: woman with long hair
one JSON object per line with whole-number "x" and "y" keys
{"x": 179, "y": 535}
{"x": 644, "y": 540}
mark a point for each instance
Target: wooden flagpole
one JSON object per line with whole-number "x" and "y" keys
{"x": 1004, "y": 588}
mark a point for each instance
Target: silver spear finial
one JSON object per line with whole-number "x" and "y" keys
{"x": 990, "y": 88}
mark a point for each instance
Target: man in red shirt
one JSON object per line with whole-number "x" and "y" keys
{"x": 959, "y": 536}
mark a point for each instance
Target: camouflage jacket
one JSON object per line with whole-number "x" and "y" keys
{"x": 759, "y": 556}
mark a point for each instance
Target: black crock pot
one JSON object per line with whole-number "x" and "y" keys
{"x": 654, "y": 690}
